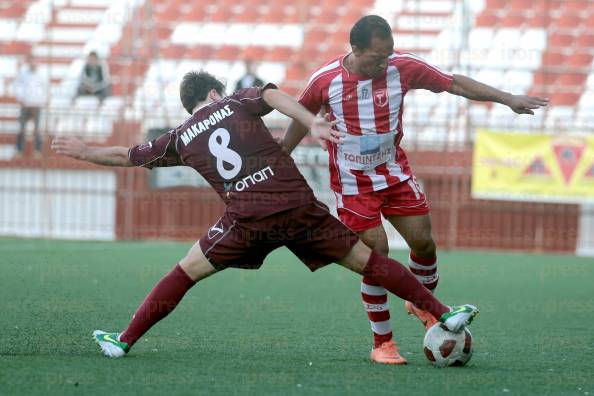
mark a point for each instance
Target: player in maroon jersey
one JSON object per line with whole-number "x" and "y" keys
{"x": 269, "y": 203}
{"x": 369, "y": 172}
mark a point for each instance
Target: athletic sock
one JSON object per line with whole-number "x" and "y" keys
{"x": 375, "y": 301}
{"x": 398, "y": 280}
{"x": 158, "y": 304}
{"x": 425, "y": 269}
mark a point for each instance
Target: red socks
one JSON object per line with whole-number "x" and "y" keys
{"x": 375, "y": 301}
{"x": 158, "y": 304}
{"x": 425, "y": 270}
{"x": 399, "y": 280}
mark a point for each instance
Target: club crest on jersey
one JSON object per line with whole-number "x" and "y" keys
{"x": 380, "y": 97}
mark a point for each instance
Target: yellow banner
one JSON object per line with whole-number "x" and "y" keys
{"x": 531, "y": 167}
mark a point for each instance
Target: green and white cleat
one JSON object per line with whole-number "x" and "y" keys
{"x": 459, "y": 317}
{"x": 110, "y": 344}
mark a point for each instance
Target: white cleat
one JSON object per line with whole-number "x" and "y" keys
{"x": 459, "y": 317}
{"x": 110, "y": 344}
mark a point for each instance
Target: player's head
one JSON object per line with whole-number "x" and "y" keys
{"x": 372, "y": 43}
{"x": 198, "y": 87}
{"x": 93, "y": 58}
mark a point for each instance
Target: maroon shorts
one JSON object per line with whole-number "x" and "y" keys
{"x": 315, "y": 236}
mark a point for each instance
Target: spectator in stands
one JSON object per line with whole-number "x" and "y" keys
{"x": 95, "y": 79}
{"x": 250, "y": 79}
{"x": 31, "y": 93}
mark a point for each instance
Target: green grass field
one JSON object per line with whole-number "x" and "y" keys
{"x": 283, "y": 330}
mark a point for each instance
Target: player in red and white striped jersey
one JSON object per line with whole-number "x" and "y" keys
{"x": 369, "y": 172}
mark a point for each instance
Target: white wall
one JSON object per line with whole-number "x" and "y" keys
{"x": 57, "y": 204}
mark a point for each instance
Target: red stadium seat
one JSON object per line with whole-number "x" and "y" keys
{"x": 274, "y": 14}
{"x": 544, "y": 79}
{"x": 487, "y": 19}
{"x": 16, "y": 48}
{"x": 327, "y": 16}
{"x": 585, "y": 40}
{"x": 249, "y": 15}
{"x": 170, "y": 13}
{"x": 573, "y": 80}
{"x": 162, "y": 33}
{"x": 567, "y": 20}
{"x": 575, "y": 5}
{"x": 559, "y": 41}
{"x": 202, "y": 52}
{"x": 221, "y": 14}
{"x": 565, "y": 99}
{"x": 539, "y": 20}
{"x": 296, "y": 73}
{"x": 513, "y": 20}
{"x": 280, "y": 54}
{"x": 496, "y": 4}
{"x": 580, "y": 59}
{"x": 293, "y": 15}
{"x": 551, "y": 58}
{"x": 172, "y": 51}
{"x": 196, "y": 14}
{"x": 254, "y": 53}
{"x": 228, "y": 52}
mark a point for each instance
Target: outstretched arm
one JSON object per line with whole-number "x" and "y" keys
{"x": 76, "y": 148}
{"x": 321, "y": 129}
{"x": 474, "y": 90}
{"x": 295, "y": 134}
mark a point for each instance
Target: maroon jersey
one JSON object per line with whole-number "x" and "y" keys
{"x": 229, "y": 145}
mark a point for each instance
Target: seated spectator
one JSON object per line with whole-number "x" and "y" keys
{"x": 250, "y": 79}
{"x": 31, "y": 94}
{"x": 95, "y": 79}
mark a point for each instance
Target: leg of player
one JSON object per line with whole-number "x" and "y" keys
{"x": 397, "y": 279}
{"x": 375, "y": 300}
{"x": 416, "y": 231}
{"x": 158, "y": 304}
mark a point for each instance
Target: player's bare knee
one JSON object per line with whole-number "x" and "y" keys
{"x": 356, "y": 260}
{"x": 382, "y": 248}
{"x": 424, "y": 247}
{"x": 196, "y": 265}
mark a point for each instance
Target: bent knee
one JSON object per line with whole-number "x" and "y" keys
{"x": 424, "y": 247}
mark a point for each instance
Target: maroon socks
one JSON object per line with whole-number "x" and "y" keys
{"x": 399, "y": 280}
{"x": 158, "y": 304}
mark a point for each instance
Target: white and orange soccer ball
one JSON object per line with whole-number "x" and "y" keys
{"x": 444, "y": 348}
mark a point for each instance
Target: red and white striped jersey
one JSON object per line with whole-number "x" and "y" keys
{"x": 370, "y": 112}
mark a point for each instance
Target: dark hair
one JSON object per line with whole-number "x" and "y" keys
{"x": 368, "y": 27}
{"x": 94, "y": 53}
{"x": 195, "y": 87}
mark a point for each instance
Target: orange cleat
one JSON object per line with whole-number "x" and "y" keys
{"x": 425, "y": 317}
{"x": 387, "y": 353}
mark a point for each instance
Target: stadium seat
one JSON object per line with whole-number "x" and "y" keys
{"x": 487, "y": 19}
{"x": 564, "y": 98}
{"x": 560, "y": 41}
{"x": 580, "y": 59}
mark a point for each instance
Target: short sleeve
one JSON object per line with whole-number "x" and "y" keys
{"x": 252, "y": 100}
{"x": 160, "y": 152}
{"x": 426, "y": 76}
{"x": 311, "y": 98}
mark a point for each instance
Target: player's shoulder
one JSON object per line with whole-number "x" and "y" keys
{"x": 327, "y": 71}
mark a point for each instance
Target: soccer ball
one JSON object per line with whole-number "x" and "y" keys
{"x": 444, "y": 348}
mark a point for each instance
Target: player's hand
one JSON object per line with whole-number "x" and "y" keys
{"x": 322, "y": 130}
{"x": 523, "y": 104}
{"x": 70, "y": 147}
